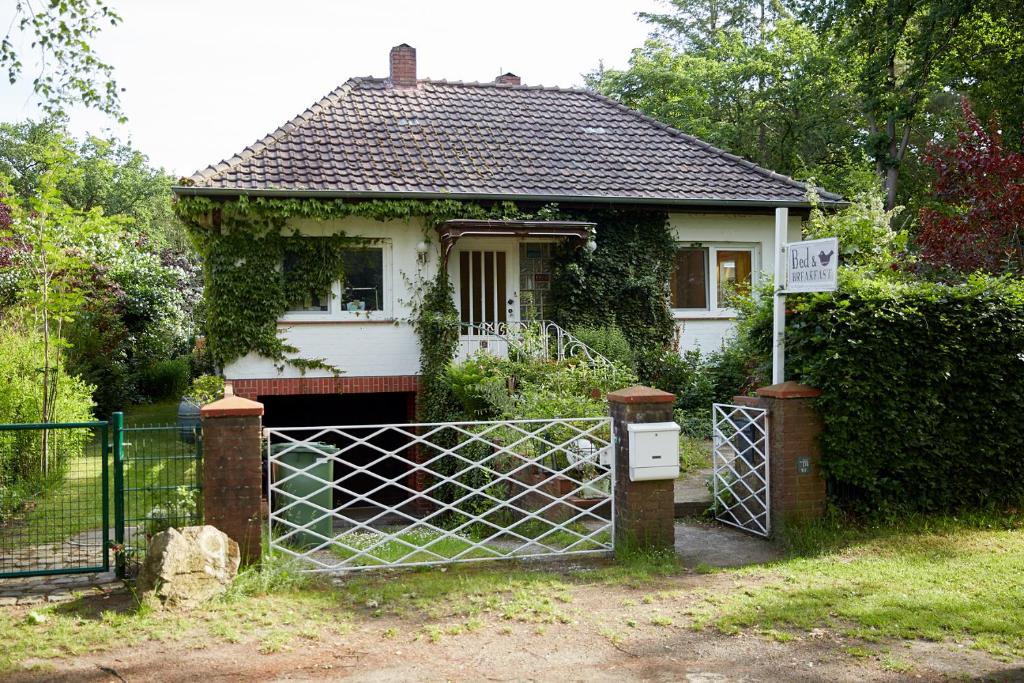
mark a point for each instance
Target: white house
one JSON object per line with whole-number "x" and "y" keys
{"x": 406, "y": 138}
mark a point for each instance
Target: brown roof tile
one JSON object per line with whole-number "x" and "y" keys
{"x": 490, "y": 140}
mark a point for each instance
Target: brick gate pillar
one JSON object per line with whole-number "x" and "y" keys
{"x": 644, "y": 510}
{"x": 794, "y": 431}
{"x": 232, "y": 470}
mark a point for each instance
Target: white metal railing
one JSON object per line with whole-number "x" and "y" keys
{"x": 538, "y": 339}
{"x": 740, "y": 464}
{"x": 402, "y": 495}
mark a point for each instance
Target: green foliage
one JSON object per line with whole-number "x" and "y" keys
{"x": 66, "y": 70}
{"x": 165, "y": 379}
{"x": 437, "y": 325}
{"x": 624, "y": 280}
{"x": 21, "y": 401}
{"x": 177, "y": 511}
{"x": 135, "y": 291}
{"x": 206, "y": 389}
{"x": 867, "y": 240}
{"x": 923, "y": 390}
{"x": 481, "y": 385}
{"x": 243, "y": 243}
{"x": 106, "y": 173}
{"x": 609, "y": 341}
{"x": 769, "y": 91}
{"x": 488, "y": 387}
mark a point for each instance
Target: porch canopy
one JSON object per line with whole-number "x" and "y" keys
{"x": 577, "y": 232}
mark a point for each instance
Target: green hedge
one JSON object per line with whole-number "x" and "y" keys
{"x": 923, "y": 390}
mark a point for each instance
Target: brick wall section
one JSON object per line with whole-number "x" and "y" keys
{"x": 403, "y": 66}
{"x": 232, "y": 477}
{"x": 794, "y": 431}
{"x": 644, "y": 510}
{"x": 253, "y": 388}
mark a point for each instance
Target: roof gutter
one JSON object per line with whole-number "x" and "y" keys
{"x": 185, "y": 190}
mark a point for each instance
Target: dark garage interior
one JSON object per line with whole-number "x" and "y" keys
{"x": 320, "y": 410}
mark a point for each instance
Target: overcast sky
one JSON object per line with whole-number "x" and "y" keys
{"x": 205, "y": 78}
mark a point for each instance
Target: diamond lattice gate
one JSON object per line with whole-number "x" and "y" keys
{"x": 740, "y": 462}
{"x": 355, "y": 497}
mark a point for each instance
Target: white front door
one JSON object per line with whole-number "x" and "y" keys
{"x": 485, "y": 273}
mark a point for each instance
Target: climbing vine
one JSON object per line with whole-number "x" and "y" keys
{"x": 623, "y": 281}
{"x": 244, "y": 242}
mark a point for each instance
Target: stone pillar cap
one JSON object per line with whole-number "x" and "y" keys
{"x": 641, "y": 394}
{"x": 232, "y": 406}
{"x": 789, "y": 390}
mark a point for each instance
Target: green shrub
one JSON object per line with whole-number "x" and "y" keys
{"x": 923, "y": 390}
{"x": 481, "y": 385}
{"x": 695, "y": 422}
{"x": 685, "y": 376}
{"x": 206, "y": 389}
{"x": 165, "y": 379}
{"x": 609, "y": 341}
{"x": 21, "y": 401}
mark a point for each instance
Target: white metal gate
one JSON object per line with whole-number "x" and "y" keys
{"x": 740, "y": 462}
{"x": 401, "y": 495}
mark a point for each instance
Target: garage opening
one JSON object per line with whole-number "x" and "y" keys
{"x": 320, "y": 410}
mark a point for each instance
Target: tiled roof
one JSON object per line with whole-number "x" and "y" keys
{"x": 489, "y": 140}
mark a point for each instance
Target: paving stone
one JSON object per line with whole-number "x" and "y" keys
{"x": 60, "y": 597}
{"x": 30, "y": 599}
{"x": 8, "y": 601}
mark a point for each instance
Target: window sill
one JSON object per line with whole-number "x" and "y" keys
{"x": 288, "y": 322}
{"x": 719, "y": 314}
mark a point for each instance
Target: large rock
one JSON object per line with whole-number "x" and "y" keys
{"x": 188, "y": 567}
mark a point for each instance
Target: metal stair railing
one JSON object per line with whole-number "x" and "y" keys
{"x": 538, "y": 339}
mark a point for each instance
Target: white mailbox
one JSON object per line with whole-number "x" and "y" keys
{"x": 653, "y": 451}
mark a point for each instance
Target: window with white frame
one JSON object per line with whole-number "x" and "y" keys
{"x": 705, "y": 275}
{"x": 364, "y": 292}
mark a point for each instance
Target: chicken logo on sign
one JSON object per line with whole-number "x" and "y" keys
{"x": 811, "y": 265}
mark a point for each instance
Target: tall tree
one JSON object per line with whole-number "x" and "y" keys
{"x": 897, "y": 50}
{"x": 977, "y": 221}
{"x": 764, "y": 88}
{"x": 109, "y": 174}
{"x": 45, "y": 235}
{"x": 67, "y": 69}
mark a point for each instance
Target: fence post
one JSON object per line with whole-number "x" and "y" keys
{"x": 644, "y": 510}
{"x": 117, "y": 439}
{"x": 794, "y": 429}
{"x": 232, "y": 471}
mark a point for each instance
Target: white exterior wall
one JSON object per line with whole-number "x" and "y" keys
{"x": 708, "y": 330}
{"x": 386, "y": 345}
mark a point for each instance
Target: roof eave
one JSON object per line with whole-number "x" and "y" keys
{"x": 189, "y": 190}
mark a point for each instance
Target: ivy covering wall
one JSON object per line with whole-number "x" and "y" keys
{"x": 624, "y": 281}
{"x": 244, "y": 241}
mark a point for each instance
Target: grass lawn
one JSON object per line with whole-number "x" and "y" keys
{"x": 77, "y": 505}
{"x": 936, "y": 579}
{"x": 926, "y": 578}
{"x": 437, "y": 548}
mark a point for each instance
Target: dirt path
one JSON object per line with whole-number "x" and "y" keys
{"x": 600, "y": 633}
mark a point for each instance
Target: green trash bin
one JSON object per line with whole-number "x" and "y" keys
{"x": 313, "y": 482}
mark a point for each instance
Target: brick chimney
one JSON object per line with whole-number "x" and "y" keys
{"x": 508, "y": 79}
{"x": 403, "y": 66}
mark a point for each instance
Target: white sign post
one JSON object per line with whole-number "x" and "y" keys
{"x": 799, "y": 267}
